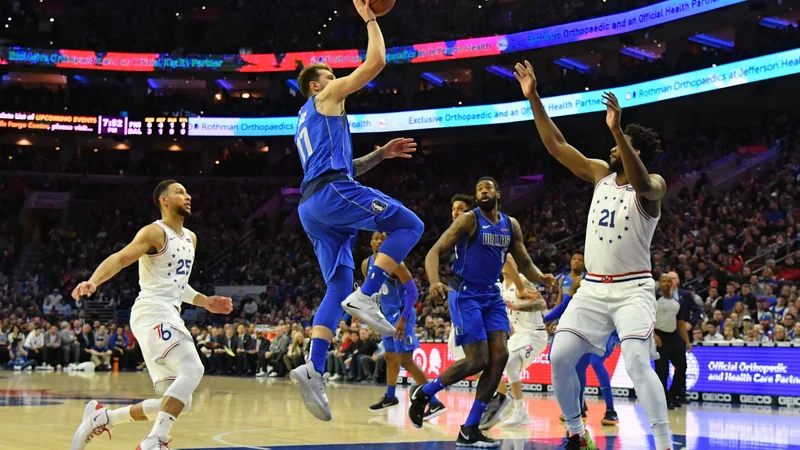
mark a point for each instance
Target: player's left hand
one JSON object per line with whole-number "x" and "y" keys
{"x": 400, "y": 329}
{"x": 613, "y": 110}
{"x": 219, "y": 305}
{"x": 399, "y": 148}
{"x": 548, "y": 280}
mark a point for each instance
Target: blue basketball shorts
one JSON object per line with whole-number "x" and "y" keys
{"x": 333, "y": 216}
{"x": 477, "y": 311}
{"x": 409, "y": 342}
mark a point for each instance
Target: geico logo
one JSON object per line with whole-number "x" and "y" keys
{"x": 528, "y": 388}
{"x": 621, "y": 392}
{"x": 755, "y": 408}
{"x": 692, "y": 396}
{"x": 710, "y": 397}
{"x": 756, "y": 399}
{"x": 591, "y": 390}
{"x": 534, "y": 387}
{"x": 462, "y": 384}
{"x": 550, "y": 388}
{"x": 789, "y": 401}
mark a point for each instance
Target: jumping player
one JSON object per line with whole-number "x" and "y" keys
{"x": 165, "y": 251}
{"x": 567, "y": 288}
{"x": 400, "y": 347}
{"x": 334, "y": 207}
{"x": 618, "y": 291}
{"x": 482, "y": 238}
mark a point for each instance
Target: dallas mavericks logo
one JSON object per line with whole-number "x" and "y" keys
{"x": 692, "y": 371}
{"x": 379, "y": 206}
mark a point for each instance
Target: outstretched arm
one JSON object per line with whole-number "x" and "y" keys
{"x": 463, "y": 227}
{"x": 651, "y": 187}
{"x": 591, "y": 170}
{"x": 337, "y": 90}
{"x": 149, "y": 237}
{"x": 523, "y": 259}
{"x": 396, "y": 148}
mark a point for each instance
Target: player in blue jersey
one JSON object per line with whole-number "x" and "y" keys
{"x": 482, "y": 238}
{"x": 567, "y": 288}
{"x": 334, "y": 207}
{"x": 398, "y": 296}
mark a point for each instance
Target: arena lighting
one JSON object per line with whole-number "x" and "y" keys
{"x": 593, "y": 28}
{"x": 571, "y": 64}
{"x": 500, "y": 72}
{"x": 667, "y": 88}
{"x": 639, "y": 53}
{"x": 711, "y": 41}
{"x": 432, "y": 78}
{"x": 770, "y": 22}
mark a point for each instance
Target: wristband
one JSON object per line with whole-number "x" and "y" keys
{"x": 371, "y": 20}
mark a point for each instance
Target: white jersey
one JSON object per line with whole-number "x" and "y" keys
{"x": 618, "y": 231}
{"x": 164, "y": 276}
{"x": 522, "y": 321}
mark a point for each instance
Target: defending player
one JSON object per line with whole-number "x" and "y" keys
{"x": 334, "y": 207}
{"x": 400, "y": 347}
{"x": 165, "y": 251}
{"x": 482, "y": 238}
{"x": 619, "y": 291}
{"x": 528, "y": 340}
{"x": 567, "y": 288}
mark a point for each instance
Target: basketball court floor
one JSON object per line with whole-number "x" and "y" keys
{"x": 42, "y": 410}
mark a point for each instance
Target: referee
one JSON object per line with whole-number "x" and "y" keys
{"x": 671, "y": 339}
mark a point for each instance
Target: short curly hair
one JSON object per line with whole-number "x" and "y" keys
{"x": 645, "y": 140}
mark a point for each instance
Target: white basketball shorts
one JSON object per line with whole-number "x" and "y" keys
{"x": 599, "y": 308}
{"x": 164, "y": 340}
{"x": 527, "y": 346}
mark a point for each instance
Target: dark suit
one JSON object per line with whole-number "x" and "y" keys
{"x": 673, "y": 349}
{"x": 225, "y": 362}
{"x": 243, "y": 359}
{"x": 86, "y": 342}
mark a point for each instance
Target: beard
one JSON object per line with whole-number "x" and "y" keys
{"x": 487, "y": 205}
{"x": 615, "y": 165}
{"x": 183, "y": 212}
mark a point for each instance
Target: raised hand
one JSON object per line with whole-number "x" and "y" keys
{"x": 363, "y": 9}
{"x": 613, "y": 110}
{"x": 219, "y": 305}
{"x": 526, "y": 78}
{"x": 86, "y": 288}
{"x": 399, "y": 148}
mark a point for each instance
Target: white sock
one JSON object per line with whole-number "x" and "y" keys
{"x": 662, "y": 436}
{"x": 518, "y": 406}
{"x": 162, "y": 425}
{"x": 121, "y": 415}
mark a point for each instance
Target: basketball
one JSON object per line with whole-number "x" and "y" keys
{"x": 381, "y": 7}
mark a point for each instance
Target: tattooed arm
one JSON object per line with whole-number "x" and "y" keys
{"x": 365, "y": 163}
{"x": 396, "y": 148}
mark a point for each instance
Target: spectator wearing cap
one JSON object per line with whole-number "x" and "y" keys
{"x": 779, "y": 309}
{"x": 765, "y": 331}
{"x": 712, "y": 334}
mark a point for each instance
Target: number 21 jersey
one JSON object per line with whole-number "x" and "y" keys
{"x": 618, "y": 230}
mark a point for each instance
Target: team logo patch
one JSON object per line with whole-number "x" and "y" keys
{"x": 379, "y": 206}
{"x": 409, "y": 340}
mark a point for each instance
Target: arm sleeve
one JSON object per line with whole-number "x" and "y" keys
{"x": 558, "y": 311}
{"x": 410, "y": 298}
{"x": 188, "y": 295}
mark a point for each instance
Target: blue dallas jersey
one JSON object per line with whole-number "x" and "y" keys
{"x": 323, "y": 143}
{"x": 566, "y": 285}
{"x": 391, "y": 294}
{"x": 480, "y": 258}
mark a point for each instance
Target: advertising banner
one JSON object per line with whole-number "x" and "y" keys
{"x": 691, "y": 83}
{"x": 597, "y": 27}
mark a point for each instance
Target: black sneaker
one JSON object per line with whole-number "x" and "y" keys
{"x": 418, "y": 400}
{"x": 494, "y": 411}
{"x": 610, "y": 418}
{"x": 473, "y": 437}
{"x": 384, "y": 403}
{"x": 435, "y": 410}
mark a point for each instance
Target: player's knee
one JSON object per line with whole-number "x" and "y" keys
{"x": 416, "y": 225}
{"x": 478, "y": 362}
{"x": 637, "y": 358}
{"x": 499, "y": 357}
